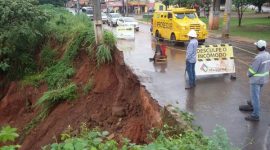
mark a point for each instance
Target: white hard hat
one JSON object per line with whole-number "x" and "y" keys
{"x": 260, "y": 44}
{"x": 192, "y": 33}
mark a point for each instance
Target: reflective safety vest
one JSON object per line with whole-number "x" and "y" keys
{"x": 258, "y": 71}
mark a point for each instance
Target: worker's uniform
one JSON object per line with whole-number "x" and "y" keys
{"x": 258, "y": 74}
{"x": 191, "y": 60}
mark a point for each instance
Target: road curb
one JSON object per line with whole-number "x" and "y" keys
{"x": 143, "y": 22}
{"x": 234, "y": 39}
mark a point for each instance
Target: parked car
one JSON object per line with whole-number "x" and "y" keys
{"x": 104, "y": 18}
{"x": 112, "y": 19}
{"x": 88, "y": 11}
{"x": 124, "y": 21}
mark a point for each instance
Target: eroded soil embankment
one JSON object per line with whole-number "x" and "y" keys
{"x": 117, "y": 103}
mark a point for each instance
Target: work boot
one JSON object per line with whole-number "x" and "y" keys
{"x": 249, "y": 103}
{"x": 245, "y": 108}
{"x": 188, "y": 87}
{"x": 252, "y": 118}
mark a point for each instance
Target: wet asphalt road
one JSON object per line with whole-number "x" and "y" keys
{"x": 215, "y": 99}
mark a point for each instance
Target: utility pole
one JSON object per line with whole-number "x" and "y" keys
{"x": 97, "y": 21}
{"x": 126, "y": 8}
{"x": 78, "y": 6}
{"x": 227, "y": 19}
{"x": 214, "y": 15}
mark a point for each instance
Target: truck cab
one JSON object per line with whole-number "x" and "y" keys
{"x": 175, "y": 24}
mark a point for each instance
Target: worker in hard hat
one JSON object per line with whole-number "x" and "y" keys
{"x": 191, "y": 58}
{"x": 258, "y": 73}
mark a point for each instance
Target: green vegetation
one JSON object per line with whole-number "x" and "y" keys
{"x": 104, "y": 51}
{"x": 48, "y": 57}
{"x": 7, "y": 134}
{"x": 62, "y": 30}
{"x": 47, "y": 102}
{"x": 167, "y": 139}
{"x": 146, "y": 20}
{"x": 253, "y": 28}
{"x": 34, "y": 79}
{"x": 164, "y": 138}
{"x": 19, "y": 36}
{"x": 54, "y": 2}
{"x": 51, "y": 98}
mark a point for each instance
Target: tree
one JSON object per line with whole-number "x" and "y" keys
{"x": 258, "y": 3}
{"x": 167, "y": 3}
{"x": 241, "y": 6}
{"x": 20, "y": 27}
{"x": 187, "y": 3}
{"x": 54, "y": 2}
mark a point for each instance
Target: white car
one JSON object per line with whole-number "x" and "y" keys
{"x": 128, "y": 21}
{"x": 104, "y": 18}
{"x": 89, "y": 11}
{"x": 112, "y": 19}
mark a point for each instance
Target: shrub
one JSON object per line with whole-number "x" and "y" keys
{"x": 104, "y": 51}
{"x": 19, "y": 35}
{"x": 48, "y": 56}
{"x": 188, "y": 140}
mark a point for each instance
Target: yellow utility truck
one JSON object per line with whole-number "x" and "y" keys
{"x": 175, "y": 24}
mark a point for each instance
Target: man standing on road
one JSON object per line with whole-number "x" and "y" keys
{"x": 258, "y": 74}
{"x": 191, "y": 58}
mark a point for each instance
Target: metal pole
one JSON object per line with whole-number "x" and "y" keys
{"x": 227, "y": 19}
{"x": 97, "y": 21}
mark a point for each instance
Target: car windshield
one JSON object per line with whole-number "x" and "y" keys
{"x": 182, "y": 15}
{"x": 129, "y": 19}
{"x": 87, "y": 11}
{"x": 103, "y": 14}
{"x": 115, "y": 15}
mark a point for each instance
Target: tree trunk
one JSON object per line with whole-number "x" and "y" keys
{"x": 259, "y": 8}
{"x": 239, "y": 22}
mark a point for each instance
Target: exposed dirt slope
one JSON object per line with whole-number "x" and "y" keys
{"x": 118, "y": 103}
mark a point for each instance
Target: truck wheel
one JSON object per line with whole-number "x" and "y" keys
{"x": 157, "y": 35}
{"x": 173, "y": 39}
{"x": 201, "y": 42}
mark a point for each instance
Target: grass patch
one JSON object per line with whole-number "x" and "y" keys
{"x": 252, "y": 28}
{"x": 145, "y": 20}
{"x": 103, "y": 55}
{"x": 58, "y": 75}
{"x": 54, "y": 97}
{"x": 105, "y": 50}
{"x": 33, "y": 80}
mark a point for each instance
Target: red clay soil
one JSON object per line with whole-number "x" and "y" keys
{"x": 117, "y": 103}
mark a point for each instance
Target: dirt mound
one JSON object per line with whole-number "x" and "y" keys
{"x": 118, "y": 104}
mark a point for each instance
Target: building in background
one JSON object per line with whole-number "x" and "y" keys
{"x": 73, "y": 3}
